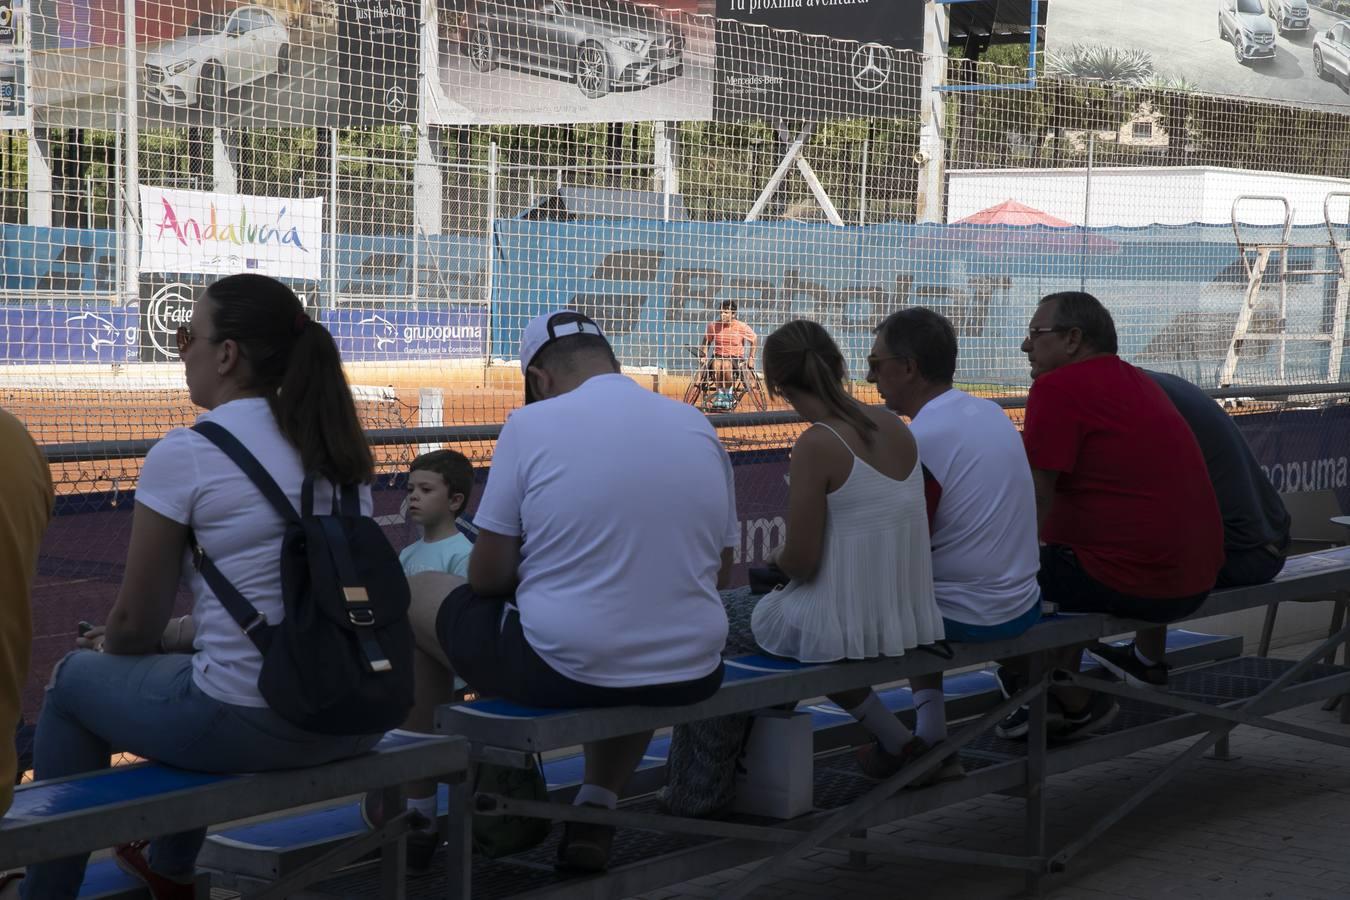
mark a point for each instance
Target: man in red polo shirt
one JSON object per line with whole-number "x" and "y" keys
{"x": 1127, "y": 515}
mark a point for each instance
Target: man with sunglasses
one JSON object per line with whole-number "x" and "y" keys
{"x": 1128, "y": 518}
{"x": 981, "y": 507}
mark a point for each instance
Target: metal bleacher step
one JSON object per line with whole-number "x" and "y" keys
{"x": 270, "y": 850}
{"x": 646, "y": 860}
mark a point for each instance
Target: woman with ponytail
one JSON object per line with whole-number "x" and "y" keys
{"x": 184, "y": 691}
{"x": 858, "y": 563}
{"x": 857, "y": 548}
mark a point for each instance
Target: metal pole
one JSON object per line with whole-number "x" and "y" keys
{"x": 119, "y": 211}
{"x": 332, "y": 218}
{"x": 491, "y": 251}
{"x": 862, "y": 178}
{"x": 416, "y": 225}
{"x": 1087, "y": 209}
{"x": 133, "y": 149}
{"x": 930, "y": 200}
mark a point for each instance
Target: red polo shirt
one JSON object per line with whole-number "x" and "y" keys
{"x": 1133, "y": 499}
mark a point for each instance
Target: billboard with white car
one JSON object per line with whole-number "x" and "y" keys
{"x": 227, "y": 63}
{"x": 551, "y": 61}
{"x": 1290, "y": 51}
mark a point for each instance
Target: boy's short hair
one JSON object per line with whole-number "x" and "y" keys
{"x": 451, "y": 465}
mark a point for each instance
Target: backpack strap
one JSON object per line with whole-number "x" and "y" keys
{"x": 253, "y": 623}
{"x": 356, "y": 601}
{"x": 351, "y": 499}
{"x": 248, "y": 463}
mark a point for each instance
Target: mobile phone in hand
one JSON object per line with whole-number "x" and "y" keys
{"x": 84, "y": 628}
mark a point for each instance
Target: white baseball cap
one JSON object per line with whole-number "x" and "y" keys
{"x": 544, "y": 330}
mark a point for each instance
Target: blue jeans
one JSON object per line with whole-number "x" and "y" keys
{"x": 99, "y": 703}
{"x": 976, "y": 634}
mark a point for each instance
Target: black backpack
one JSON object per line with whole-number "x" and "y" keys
{"x": 341, "y": 661}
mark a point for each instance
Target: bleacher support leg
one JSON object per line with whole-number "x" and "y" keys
{"x": 394, "y": 854}
{"x": 1222, "y": 751}
{"x": 459, "y": 841}
{"x": 1035, "y": 787}
{"x": 857, "y": 859}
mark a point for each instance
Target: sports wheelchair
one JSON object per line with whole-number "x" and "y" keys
{"x": 745, "y": 382}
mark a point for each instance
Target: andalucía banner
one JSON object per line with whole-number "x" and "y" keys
{"x": 197, "y": 232}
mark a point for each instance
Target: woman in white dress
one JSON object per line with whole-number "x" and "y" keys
{"x": 857, "y": 552}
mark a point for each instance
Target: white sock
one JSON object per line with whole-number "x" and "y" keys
{"x": 596, "y": 796}
{"x": 883, "y": 724}
{"x": 1144, "y": 659}
{"x": 931, "y": 710}
{"x": 426, "y": 806}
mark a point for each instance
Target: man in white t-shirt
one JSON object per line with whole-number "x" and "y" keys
{"x": 605, "y": 531}
{"x": 981, "y": 501}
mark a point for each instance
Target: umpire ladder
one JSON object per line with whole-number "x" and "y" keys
{"x": 1256, "y": 260}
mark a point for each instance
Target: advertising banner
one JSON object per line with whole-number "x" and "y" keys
{"x": 166, "y": 304}
{"x": 654, "y": 287}
{"x": 458, "y": 331}
{"x": 68, "y": 333}
{"x": 817, "y": 59}
{"x": 204, "y": 63}
{"x": 220, "y": 234}
{"x": 377, "y": 59}
{"x": 1287, "y": 50}
{"x": 557, "y": 61}
{"x": 13, "y": 59}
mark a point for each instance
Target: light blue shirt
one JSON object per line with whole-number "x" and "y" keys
{"x": 449, "y": 555}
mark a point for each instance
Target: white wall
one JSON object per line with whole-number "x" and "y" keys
{"x": 1135, "y": 196}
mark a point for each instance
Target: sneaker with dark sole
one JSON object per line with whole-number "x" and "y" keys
{"x": 1015, "y": 725}
{"x": 585, "y": 846}
{"x": 876, "y": 762}
{"x": 1125, "y": 664}
{"x": 1099, "y": 712}
{"x": 130, "y": 858}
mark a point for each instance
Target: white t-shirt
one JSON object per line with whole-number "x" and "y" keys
{"x": 186, "y": 479}
{"x": 985, "y": 550}
{"x": 625, "y": 500}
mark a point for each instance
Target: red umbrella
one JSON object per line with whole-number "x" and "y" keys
{"x": 1010, "y": 212}
{"x": 1012, "y": 228}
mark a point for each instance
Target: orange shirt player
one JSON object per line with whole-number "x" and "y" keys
{"x": 733, "y": 344}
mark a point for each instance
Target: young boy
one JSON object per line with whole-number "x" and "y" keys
{"x": 438, "y": 489}
{"x": 439, "y": 483}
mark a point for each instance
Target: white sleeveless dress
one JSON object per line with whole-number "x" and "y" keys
{"x": 873, "y": 593}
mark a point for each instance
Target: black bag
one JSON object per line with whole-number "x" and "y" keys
{"x": 341, "y": 660}
{"x": 498, "y": 836}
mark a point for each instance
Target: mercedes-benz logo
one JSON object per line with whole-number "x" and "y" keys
{"x": 872, "y": 65}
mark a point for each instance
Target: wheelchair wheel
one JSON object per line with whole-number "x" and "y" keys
{"x": 694, "y": 392}
{"x": 697, "y": 392}
{"x": 753, "y": 387}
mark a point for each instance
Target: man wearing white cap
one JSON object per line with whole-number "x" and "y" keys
{"x": 605, "y": 531}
